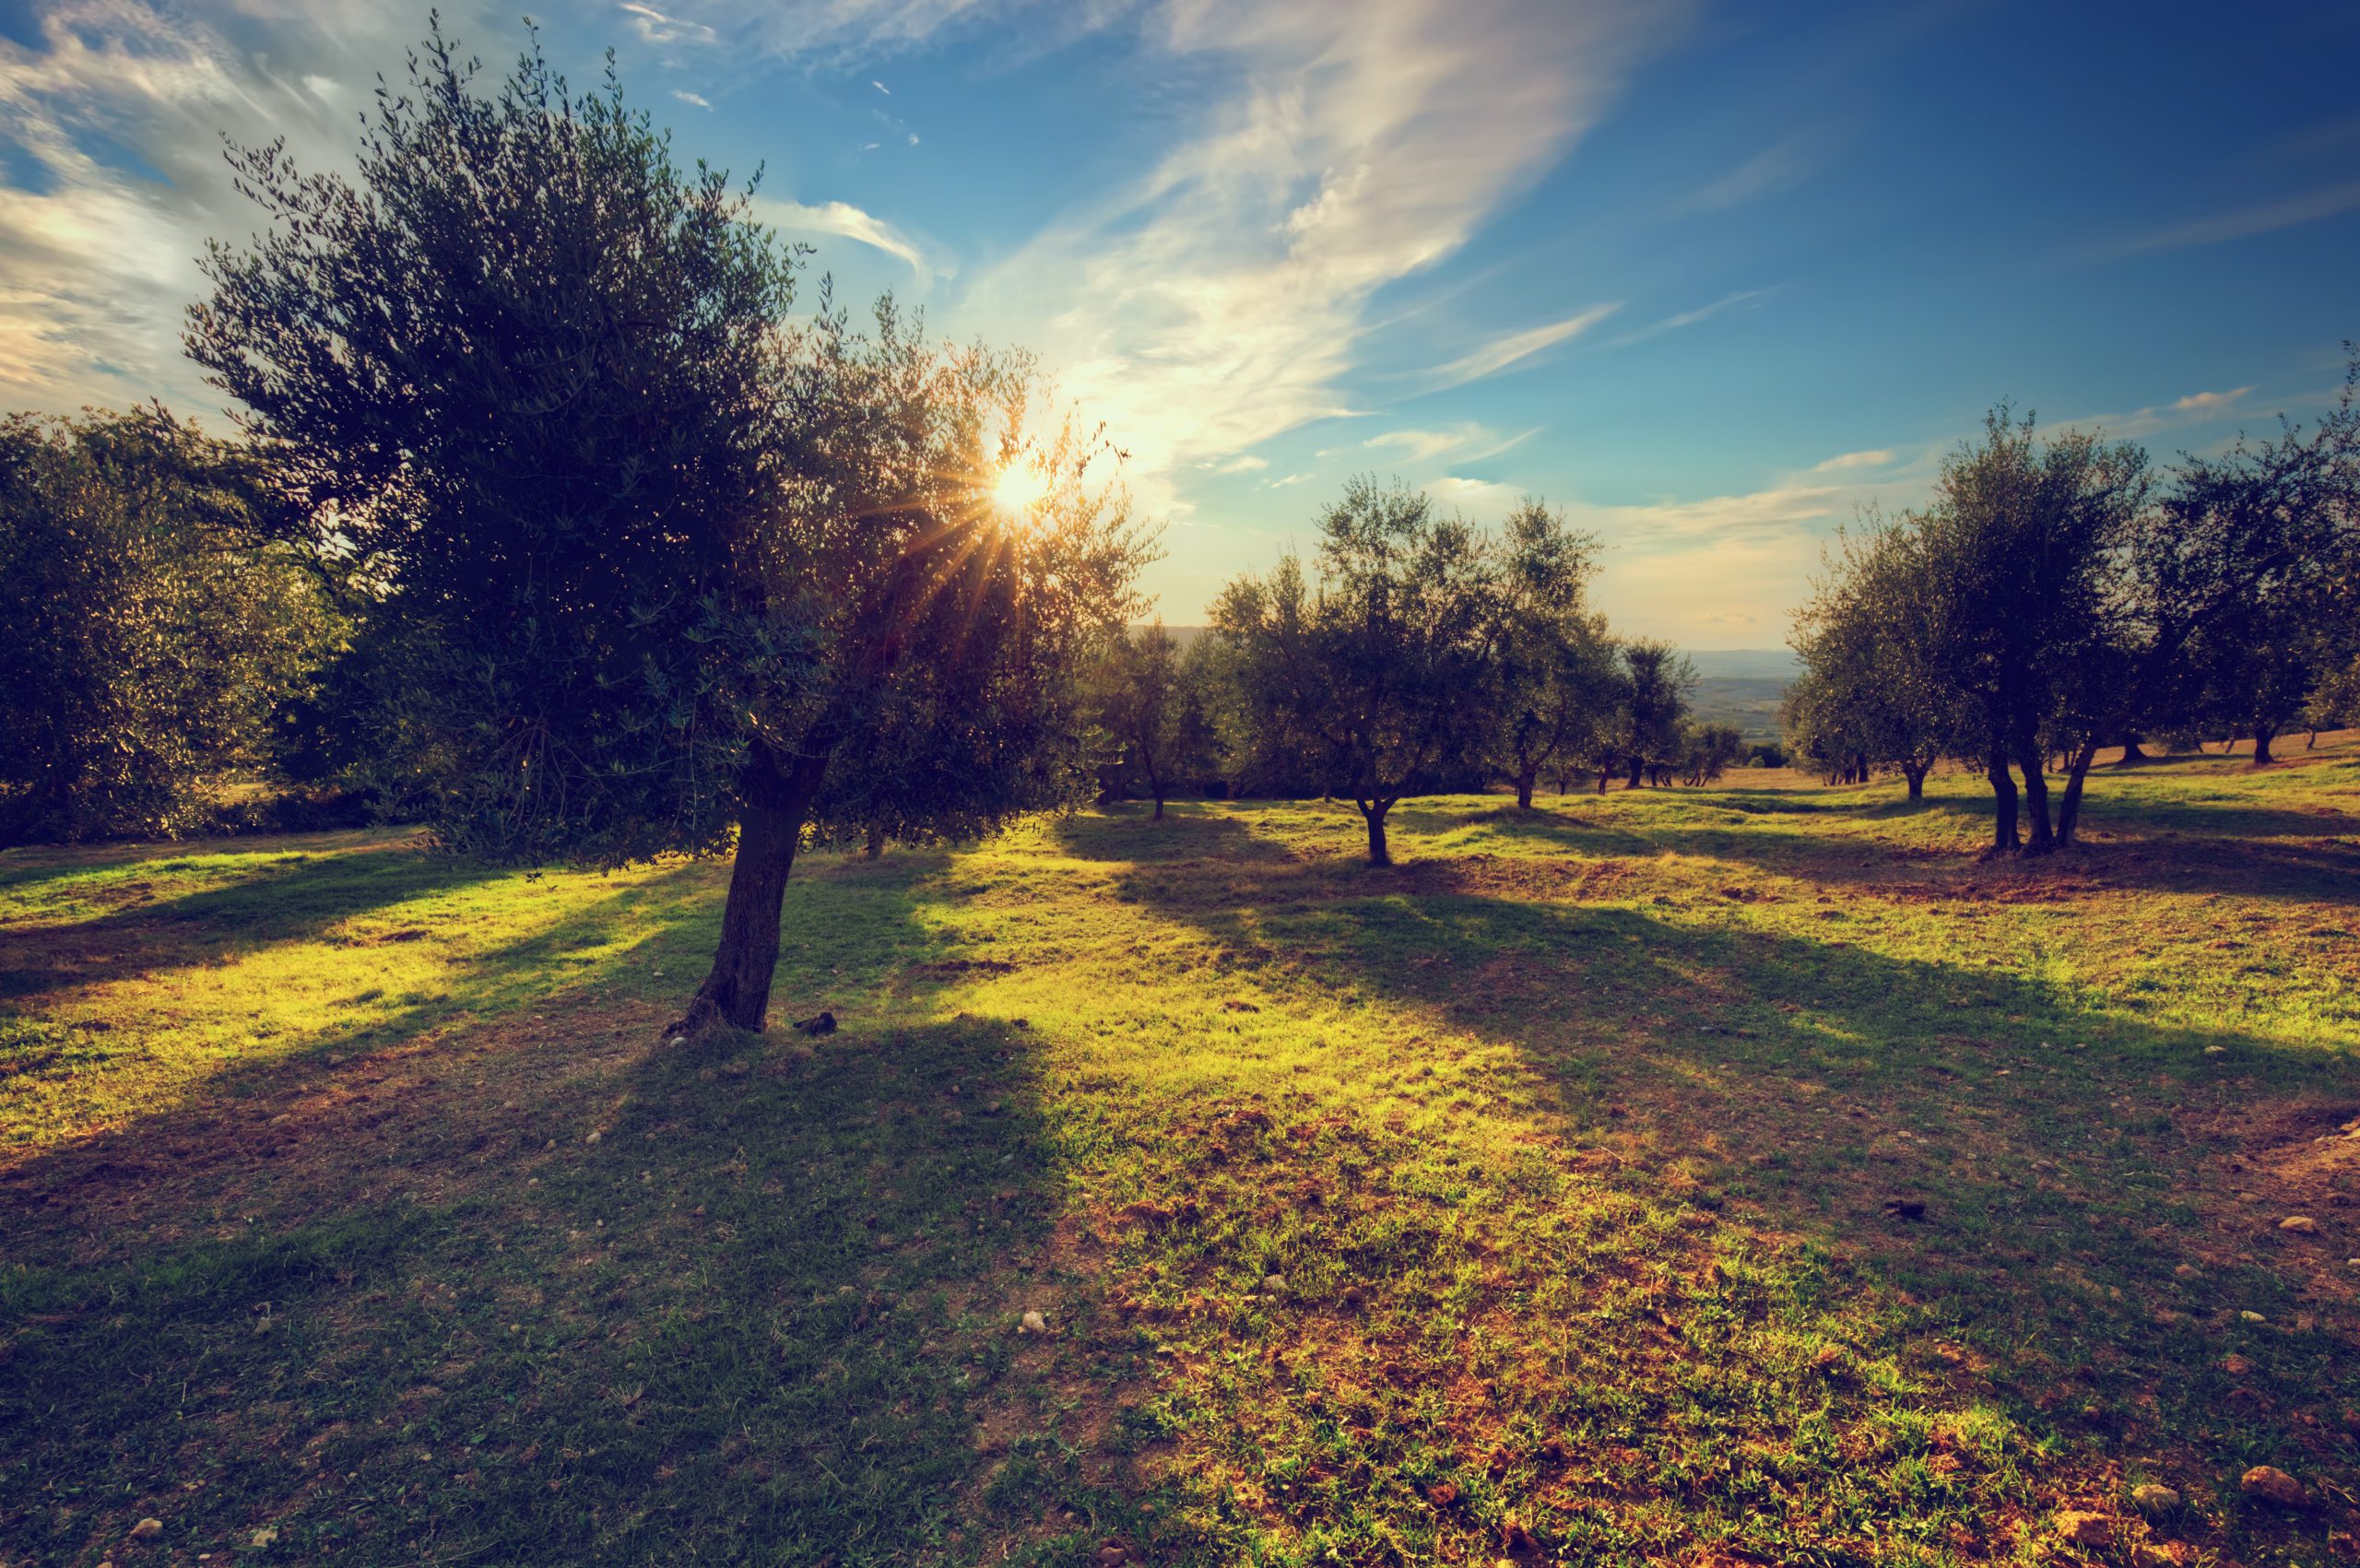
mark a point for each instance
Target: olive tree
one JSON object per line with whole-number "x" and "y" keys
{"x": 1140, "y": 693}
{"x": 1870, "y": 695}
{"x": 154, "y": 620}
{"x": 653, "y": 560}
{"x": 2019, "y": 548}
{"x": 1652, "y": 708}
{"x": 1553, "y": 679}
{"x": 1376, "y": 664}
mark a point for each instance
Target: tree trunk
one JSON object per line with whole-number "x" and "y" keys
{"x": 2262, "y": 735}
{"x": 737, "y": 991}
{"x": 1916, "y": 774}
{"x": 2069, "y": 809}
{"x": 1602, "y": 777}
{"x": 1638, "y": 766}
{"x": 1159, "y": 803}
{"x": 875, "y": 848}
{"x": 2131, "y": 756}
{"x": 2032, "y": 761}
{"x": 2003, "y": 801}
{"x": 1373, "y": 812}
{"x": 1524, "y": 782}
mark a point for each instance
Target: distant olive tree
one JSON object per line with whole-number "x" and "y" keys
{"x": 1652, "y": 698}
{"x": 2261, "y": 542}
{"x": 1142, "y": 692}
{"x": 1553, "y": 675}
{"x": 1707, "y": 752}
{"x": 654, "y": 561}
{"x": 1376, "y": 667}
{"x": 1870, "y": 694}
{"x": 154, "y": 620}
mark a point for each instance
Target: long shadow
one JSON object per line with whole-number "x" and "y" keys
{"x": 297, "y": 896}
{"x": 2162, "y": 844}
{"x": 540, "y": 1291}
{"x": 1813, "y": 1082}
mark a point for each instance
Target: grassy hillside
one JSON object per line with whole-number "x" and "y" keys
{"x": 1741, "y": 1175}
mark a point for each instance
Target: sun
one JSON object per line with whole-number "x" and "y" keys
{"x": 1020, "y": 487}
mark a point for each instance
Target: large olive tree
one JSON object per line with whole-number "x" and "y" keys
{"x": 651, "y": 562}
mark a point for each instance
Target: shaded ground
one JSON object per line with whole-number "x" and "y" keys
{"x": 1541, "y": 1198}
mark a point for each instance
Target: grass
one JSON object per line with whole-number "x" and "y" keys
{"x": 1536, "y": 1200}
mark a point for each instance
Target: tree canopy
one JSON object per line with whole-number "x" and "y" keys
{"x": 652, "y": 557}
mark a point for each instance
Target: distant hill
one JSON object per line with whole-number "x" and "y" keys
{"x": 1747, "y": 664}
{"x": 1743, "y": 687}
{"x": 1734, "y": 686}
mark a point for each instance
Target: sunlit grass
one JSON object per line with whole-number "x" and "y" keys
{"x": 1527, "y": 1200}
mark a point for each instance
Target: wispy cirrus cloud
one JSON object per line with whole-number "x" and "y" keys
{"x": 1875, "y": 458}
{"x": 116, "y": 114}
{"x": 1221, "y": 296}
{"x": 849, "y": 222}
{"x": 1513, "y": 348}
{"x": 2193, "y": 409}
{"x": 2239, "y": 223}
{"x": 1690, "y": 318}
{"x": 660, "y": 28}
{"x": 1787, "y": 161}
{"x": 1468, "y": 441}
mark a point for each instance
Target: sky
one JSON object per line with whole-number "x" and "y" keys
{"x": 1711, "y": 278}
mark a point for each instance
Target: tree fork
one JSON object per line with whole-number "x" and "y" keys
{"x": 2068, "y": 808}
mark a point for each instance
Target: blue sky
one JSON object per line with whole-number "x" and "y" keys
{"x": 1710, "y": 277}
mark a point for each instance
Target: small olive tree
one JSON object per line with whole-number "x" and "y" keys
{"x": 1380, "y": 662}
{"x": 1553, "y": 676}
{"x": 1143, "y": 693}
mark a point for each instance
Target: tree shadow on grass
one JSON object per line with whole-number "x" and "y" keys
{"x": 2162, "y": 843}
{"x": 2066, "y": 1158}
{"x": 302, "y": 893}
{"x": 538, "y": 1289}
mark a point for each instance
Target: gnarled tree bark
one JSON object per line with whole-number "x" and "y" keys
{"x": 770, "y": 829}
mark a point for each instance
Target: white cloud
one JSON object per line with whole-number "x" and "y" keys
{"x": 1690, "y": 318}
{"x": 691, "y": 99}
{"x": 2242, "y": 223}
{"x": 850, "y": 222}
{"x": 2192, "y": 410}
{"x": 656, "y": 27}
{"x": 1481, "y": 496}
{"x": 1243, "y": 464}
{"x": 1471, "y": 441}
{"x": 1291, "y": 479}
{"x": 98, "y": 258}
{"x": 1218, "y": 299}
{"x": 880, "y": 86}
{"x": 1416, "y": 446}
{"x": 1876, "y": 459}
{"x": 1501, "y": 352}
{"x": 1785, "y": 162}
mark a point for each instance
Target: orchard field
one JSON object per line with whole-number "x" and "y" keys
{"x": 1745, "y": 1174}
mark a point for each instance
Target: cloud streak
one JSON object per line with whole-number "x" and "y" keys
{"x": 98, "y": 256}
{"x": 1221, "y": 298}
{"x": 1513, "y": 347}
{"x": 849, "y": 222}
{"x": 2242, "y": 223}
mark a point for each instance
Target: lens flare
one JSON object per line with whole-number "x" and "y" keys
{"x": 1020, "y": 489}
